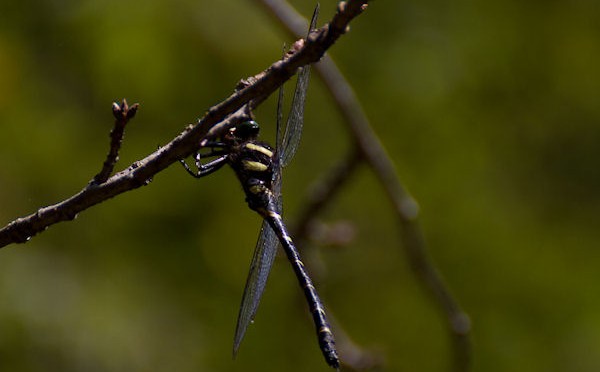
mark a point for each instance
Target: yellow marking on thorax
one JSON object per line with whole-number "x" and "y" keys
{"x": 254, "y": 166}
{"x": 257, "y": 189}
{"x": 262, "y": 149}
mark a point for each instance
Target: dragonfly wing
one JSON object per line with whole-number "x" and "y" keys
{"x": 280, "y": 130}
{"x": 288, "y": 145}
{"x": 262, "y": 261}
{"x": 293, "y": 129}
{"x": 264, "y": 254}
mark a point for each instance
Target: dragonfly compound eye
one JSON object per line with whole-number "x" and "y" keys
{"x": 247, "y": 129}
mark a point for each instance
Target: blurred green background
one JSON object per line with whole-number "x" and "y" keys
{"x": 490, "y": 111}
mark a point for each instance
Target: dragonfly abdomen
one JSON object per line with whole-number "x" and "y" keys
{"x": 324, "y": 334}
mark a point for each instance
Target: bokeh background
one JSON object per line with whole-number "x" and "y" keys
{"x": 490, "y": 111}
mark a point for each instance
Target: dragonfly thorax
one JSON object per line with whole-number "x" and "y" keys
{"x": 253, "y": 164}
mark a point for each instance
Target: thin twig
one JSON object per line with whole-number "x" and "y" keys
{"x": 406, "y": 208}
{"x": 323, "y": 192}
{"x": 356, "y": 357}
{"x": 122, "y": 113}
{"x": 225, "y": 113}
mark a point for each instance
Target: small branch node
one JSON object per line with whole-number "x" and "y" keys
{"x": 122, "y": 113}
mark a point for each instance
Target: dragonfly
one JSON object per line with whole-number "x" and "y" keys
{"x": 258, "y": 167}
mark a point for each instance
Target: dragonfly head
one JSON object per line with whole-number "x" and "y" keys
{"x": 246, "y": 130}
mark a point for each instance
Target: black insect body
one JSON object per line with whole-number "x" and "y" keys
{"x": 258, "y": 167}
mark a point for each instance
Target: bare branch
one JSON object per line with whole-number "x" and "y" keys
{"x": 122, "y": 113}
{"x": 141, "y": 172}
{"x": 323, "y": 192}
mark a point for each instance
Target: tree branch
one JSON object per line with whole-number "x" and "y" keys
{"x": 140, "y": 173}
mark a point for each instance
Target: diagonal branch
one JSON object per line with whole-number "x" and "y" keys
{"x": 217, "y": 119}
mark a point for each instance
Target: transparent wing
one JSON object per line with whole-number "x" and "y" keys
{"x": 280, "y": 131}
{"x": 264, "y": 254}
{"x": 287, "y": 144}
{"x": 293, "y": 129}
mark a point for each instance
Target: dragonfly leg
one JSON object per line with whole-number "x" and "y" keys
{"x": 205, "y": 169}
